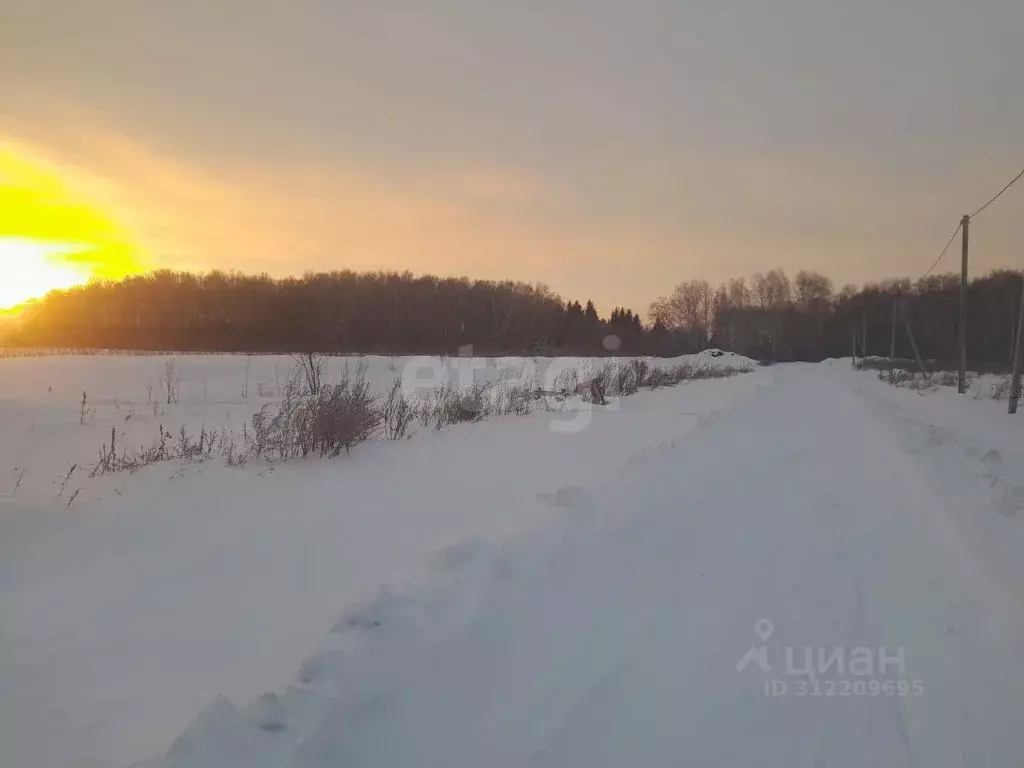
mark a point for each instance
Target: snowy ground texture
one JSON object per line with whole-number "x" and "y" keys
{"x": 125, "y": 613}
{"x": 628, "y": 593}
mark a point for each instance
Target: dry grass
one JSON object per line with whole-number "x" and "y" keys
{"x": 397, "y": 412}
{"x": 337, "y": 417}
{"x": 448, "y": 405}
{"x": 170, "y": 381}
{"x": 315, "y": 418}
{"x": 118, "y": 456}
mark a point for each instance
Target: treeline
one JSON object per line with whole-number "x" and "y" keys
{"x": 774, "y": 318}
{"x": 769, "y": 317}
{"x": 337, "y": 312}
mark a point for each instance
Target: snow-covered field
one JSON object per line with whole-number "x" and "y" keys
{"x": 643, "y": 590}
{"x": 48, "y": 428}
{"x": 128, "y": 607}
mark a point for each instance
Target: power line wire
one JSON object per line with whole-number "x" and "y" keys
{"x": 955, "y": 231}
{"x": 986, "y": 205}
{"x": 942, "y": 253}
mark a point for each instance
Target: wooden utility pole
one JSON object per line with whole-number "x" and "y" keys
{"x": 910, "y": 335}
{"x": 965, "y": 224}
{"x": 864, "y": 339}
{"x": 892, "y": 336}
{"x": 1015, "y": 376}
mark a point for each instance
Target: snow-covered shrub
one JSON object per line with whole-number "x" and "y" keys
{"x": 597, "y": 384}
{"x": 397, "y": 412}
{"x": 670, "y": 376}
{"x": 448, "y": 405}
{"x": 1001, "y": 391}
{"x": 339, "y": 416}
{"x": 903, "y": 377}
{"x": 717, "y": 372}
{"x": 567, "y": 381}
{"x": 949, "y": 378}
{"x": 915, "y": 380}
{"x": 513, "y": 398}
{"x": 634, "y": 377}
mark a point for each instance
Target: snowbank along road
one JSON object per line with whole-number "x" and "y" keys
{"x": 824, "y": 571}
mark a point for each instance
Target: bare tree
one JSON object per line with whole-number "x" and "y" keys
{"x": 690, "y": 306}
{"x": 771, "y": 289}
{"x": 813, "y": 290}
{"x": 739, "y": 293}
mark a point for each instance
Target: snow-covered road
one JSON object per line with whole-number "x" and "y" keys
{"x": 875, "y": 530}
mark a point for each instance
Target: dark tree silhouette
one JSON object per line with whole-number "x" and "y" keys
{"x": 333, "y": 312}
{"x": 803, "y": 320}
{"x": 770, "y": 317}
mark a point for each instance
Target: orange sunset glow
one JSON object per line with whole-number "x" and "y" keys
{"x": 51, "y": 236}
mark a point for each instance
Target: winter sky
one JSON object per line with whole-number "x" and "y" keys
{"x": 606, "y": 148}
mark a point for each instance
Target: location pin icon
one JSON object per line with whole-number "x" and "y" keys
{"x": 764, "y": 629}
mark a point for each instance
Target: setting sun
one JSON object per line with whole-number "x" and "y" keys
{"x": 33, "y": 268}
{"x": 51, "y": 235}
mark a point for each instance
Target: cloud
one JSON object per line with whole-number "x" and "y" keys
{"x": 620, "y": 230}
{"x": 501, "y": 187}
{"x": 287, "y": 216}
